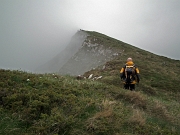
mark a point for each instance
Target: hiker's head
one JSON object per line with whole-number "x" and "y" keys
{"x": 129, "y": 59}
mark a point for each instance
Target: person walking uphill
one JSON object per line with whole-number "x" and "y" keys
{"x": 129, "y": 74}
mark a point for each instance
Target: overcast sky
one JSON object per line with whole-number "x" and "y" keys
{"x": 34, "y": 31}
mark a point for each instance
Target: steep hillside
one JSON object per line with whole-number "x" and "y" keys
{"x": 53, "y": 104}
{"x": 85, "y": 52}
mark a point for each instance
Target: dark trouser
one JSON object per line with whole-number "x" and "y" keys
{"x": 129, "y": 86}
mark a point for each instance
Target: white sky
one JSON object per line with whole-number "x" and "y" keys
{"x": 34, "y": 31}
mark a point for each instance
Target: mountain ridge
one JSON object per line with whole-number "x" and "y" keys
{"x": 49, "y": 104}
{"x": 87, "y": 50}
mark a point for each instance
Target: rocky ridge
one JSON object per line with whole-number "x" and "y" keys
{"x": 84, "y": 52}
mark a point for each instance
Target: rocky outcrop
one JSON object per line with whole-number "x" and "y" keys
{"x": 84, "y": 53}
{"x": 90, "y": 56}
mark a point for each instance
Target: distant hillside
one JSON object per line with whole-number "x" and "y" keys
{"x": 157, "y": 70}
{"x": 87, "y": 50}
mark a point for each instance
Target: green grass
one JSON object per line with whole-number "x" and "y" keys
{"x": 51, "y": 104}
{"x": 65, "y": 105}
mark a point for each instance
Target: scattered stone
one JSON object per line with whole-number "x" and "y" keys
{"x": 94, "y": 78}
{"x": 103, "y": 67}
{"x": 99, "y": 77}
{"x": 90, "y": 76}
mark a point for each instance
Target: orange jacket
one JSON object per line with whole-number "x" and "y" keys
{"x": 135, "y": 78}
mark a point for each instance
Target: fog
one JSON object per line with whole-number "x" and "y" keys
{"x": 31, "y": 33}
{"x": 34, "y": 31}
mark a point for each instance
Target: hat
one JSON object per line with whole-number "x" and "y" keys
{"x": 129, "y": 59}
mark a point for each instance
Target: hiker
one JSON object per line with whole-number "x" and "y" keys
{"x": 129, "y": 74}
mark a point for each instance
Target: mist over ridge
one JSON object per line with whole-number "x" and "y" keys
{"x": 63, "y": 56}
{"x": 88, "y": 50}
{"x": 33, "y": 32}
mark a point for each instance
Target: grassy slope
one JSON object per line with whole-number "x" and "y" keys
{"x": 52, "y": 104}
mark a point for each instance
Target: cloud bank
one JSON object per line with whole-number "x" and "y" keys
{"x": 32, "y": 32}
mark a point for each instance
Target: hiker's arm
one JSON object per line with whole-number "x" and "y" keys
{"x": 122, "y": 72}
{"x": 137, "y": 75}
{"x": 138, "y": 78}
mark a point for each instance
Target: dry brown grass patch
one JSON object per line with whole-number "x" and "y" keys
{"x": 160, "y": 110}
{"x": 137, "y": 118}
{"x": 106, "y": 112}
{"x": 137, "y": 99}
{"x": 106, "y": 109}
